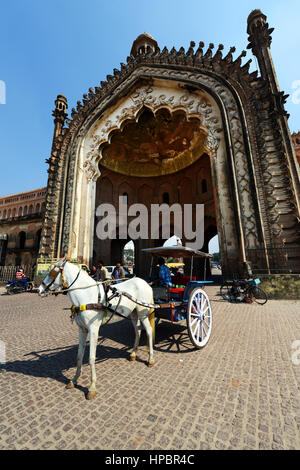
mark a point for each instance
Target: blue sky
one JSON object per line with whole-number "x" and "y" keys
{"x": 66, "y": 46}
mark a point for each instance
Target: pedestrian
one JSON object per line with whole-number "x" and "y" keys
{"x": 118, "y": 272}
{"x": 102, "y": 273}
{"x": 93, "y": 272}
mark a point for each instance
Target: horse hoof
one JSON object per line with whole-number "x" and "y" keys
{"x": 70, "y": 385}
{"x": 132, "y": 358}
{"x": 91, "y": 395}
{"x": 151, "y": 363}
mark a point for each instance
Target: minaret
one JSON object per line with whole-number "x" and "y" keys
{"x": 260, "y": 42}
{"x": 60, "y": 114}
{"x": 54, "y": 186}
{"x": 278, "y": 138}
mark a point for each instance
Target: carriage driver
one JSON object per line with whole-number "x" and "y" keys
{"x": 164, "y": 275}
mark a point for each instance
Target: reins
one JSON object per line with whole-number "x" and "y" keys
{"x": 67, "y": 289}
{"x": 99, "y": 306}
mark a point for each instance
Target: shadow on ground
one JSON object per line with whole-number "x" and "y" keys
{"x": 53, "y": 363}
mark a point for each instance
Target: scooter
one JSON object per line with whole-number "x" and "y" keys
{"x": 22, "y": 285}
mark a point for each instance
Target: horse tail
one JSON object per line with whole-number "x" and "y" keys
{"x": 151, "y": 317}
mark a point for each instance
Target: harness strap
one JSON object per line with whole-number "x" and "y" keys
{"x": 81, "y": 308}
{"x": 99, "y": 306}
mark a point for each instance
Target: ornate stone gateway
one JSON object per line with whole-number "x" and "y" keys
{"x": 186, "y": 127}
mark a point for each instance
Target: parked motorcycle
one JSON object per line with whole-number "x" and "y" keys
{"x": 22, "y": 285}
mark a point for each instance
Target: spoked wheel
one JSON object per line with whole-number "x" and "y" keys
{"x": 257, "y": 294}
{"x": 199, "y": 318}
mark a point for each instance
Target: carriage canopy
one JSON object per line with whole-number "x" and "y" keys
{"x": 176, "y": 252}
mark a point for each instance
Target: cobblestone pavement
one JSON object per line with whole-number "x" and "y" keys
{"x": 240, "y": 392}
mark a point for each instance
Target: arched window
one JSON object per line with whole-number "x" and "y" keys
{"x": 14, "y": 212}
{"x": 9, "y": 213}
{"x": 37, "y": 209}
{"x": 20, "y": 211}
{"x": 25, "y": 210}
{"x": 204, "y": 186}
{"x": 22, "y": 240}
{"x": 125, "y": 195}
{"x": 4, "y": 214}
{"x": 166, "y": 198}
{"x": 30, "y": 209}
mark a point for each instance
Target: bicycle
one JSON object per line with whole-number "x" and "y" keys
{"x": 243, "y": 290}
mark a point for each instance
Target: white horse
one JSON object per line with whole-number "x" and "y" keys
{"x": 83, "y": 291}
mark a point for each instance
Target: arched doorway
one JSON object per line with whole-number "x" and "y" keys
{"x": 165, "y": 157}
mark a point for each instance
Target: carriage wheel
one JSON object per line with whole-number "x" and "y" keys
{"x": 199, "y": 318}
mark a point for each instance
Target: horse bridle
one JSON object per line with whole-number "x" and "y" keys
{"x": 54, "y": 273}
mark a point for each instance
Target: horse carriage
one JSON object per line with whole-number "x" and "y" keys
{"x": 135, "y": 299}
{"x": 185, "y": 300}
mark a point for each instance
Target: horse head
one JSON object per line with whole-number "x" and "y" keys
{"x": 54, "y": 279}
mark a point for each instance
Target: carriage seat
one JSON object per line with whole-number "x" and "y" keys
{"x": 182, "y": 280}
{"x": 178, "y": 291}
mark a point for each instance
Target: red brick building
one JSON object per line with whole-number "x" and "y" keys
{"x": 21, "y": 217}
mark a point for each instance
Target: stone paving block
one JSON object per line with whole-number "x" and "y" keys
{"x": 240, "y": 392}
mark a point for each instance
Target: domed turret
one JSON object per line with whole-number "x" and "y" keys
{"x": 59, "y": 113}
{"x": 143, "y": 44}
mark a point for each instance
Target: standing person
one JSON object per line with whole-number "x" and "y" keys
{"x": 94, "y": 272}
{"x": 118, "y": 272}
{"x": 164, "y": 274}
{"x": 102, "y": 273}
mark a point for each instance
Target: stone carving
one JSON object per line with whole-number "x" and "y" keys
{"x": 195, "y": 106}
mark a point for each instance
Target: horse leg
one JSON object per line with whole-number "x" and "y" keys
{"x": 148, "y": 328}
{"x": 80, "y": 354}
{"x": 137, "y": 328}
{"x": 93, "y": 332}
